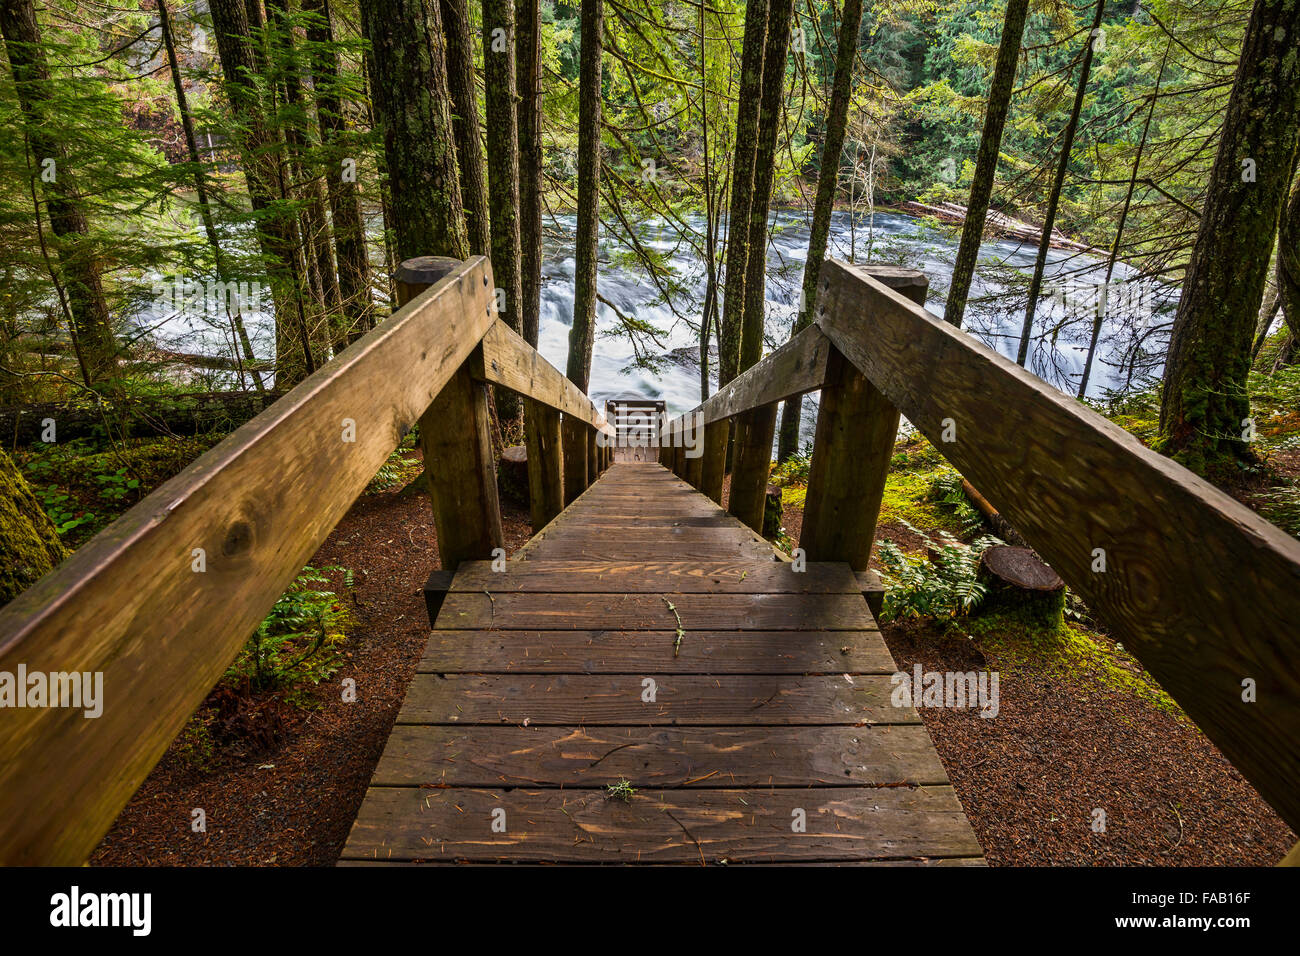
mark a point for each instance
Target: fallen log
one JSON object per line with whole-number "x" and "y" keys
{"x": 177, "y": 415}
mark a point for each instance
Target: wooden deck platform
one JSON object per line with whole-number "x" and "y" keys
{"x": 544, "y": 684}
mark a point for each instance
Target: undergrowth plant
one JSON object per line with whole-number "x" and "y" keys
{"x": 299, "y": 641}
{"x": 939, "y": 584}
{"x": 946, "y": 490}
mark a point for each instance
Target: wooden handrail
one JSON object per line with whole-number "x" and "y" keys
{"x": 1199, "y": 588}
{"x": 162, "y": 600}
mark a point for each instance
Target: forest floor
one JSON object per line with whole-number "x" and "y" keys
{"x": 1081, "y": 727}
{"x": 278, "y": 774}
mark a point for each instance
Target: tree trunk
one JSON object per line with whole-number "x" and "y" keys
{"x": 276, "y": 229}
{"x": 1062, "y": 167}
{"x": 409, "y": 89}
{"x": 769, "y": 126}
{"x": 317, "y": 242}
{"x": 1288, "y": 261}
{"x": 201, "y": 192}
{"x": 465, "y": 124}
{"x": 1204, "y": 408}
{"x": 582, "y": 334}
{"x": 340, "y": 157}
{"x": 986, "y": 162}
{"x": 28, "y": 540}
{"x": 742, "y": 185}
{"x": 503, "y": 152}
{"x": 78, "y": 265}
{"x": 528, "y": 71}
{"x": 837, "y": 116}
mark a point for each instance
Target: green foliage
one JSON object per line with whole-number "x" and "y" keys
{"x": 623, "y": 790}
{"x": 946, "y": 490}
{"x": 299, "y": 641}
{"x": 941, "y": 584}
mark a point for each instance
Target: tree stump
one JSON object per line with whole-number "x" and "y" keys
{"x": 512, "y": 474}
{"x": 1019, "y": 582}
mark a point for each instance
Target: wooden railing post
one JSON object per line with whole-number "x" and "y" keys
{"x": 751, "y": 464}
{"x": 545, "y": 462}
{"x": 856, "y": 427}
{"x": 715, "y": 458}
{"x": 694, "y": 464}
{"x": 573, "y": 432}
{"x": 456, "y": 440}
{"x": 593, "y": 456}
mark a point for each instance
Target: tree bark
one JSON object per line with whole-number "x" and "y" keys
{"x": 769, "y": 126}
{"x": 528, "y": 70}
{"x": 837, "y": 116}
{"x": 503, "y": 152}
{"x": 465, "y": 124}
{"x": 742, "y": 184}
{"x": 409, "y": 89}
{"x": 28, "y": 540}
{"x": 276, "y": 229}
{"x": 1288, "y": 261}
{"x": 986, "y": 162}
{"x": 1204, "y": 409}
{"x": 1058, "y": 183}
{"x": 340, "y": 156}
{"x": 583, "y": 332}
{"x": 201, "y": 192}
{"x": 79, "y": 266}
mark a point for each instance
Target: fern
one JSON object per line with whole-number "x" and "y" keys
{"x": 941, "y": 584}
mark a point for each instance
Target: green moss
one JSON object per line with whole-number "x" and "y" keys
{"x": 1069, "y": 650}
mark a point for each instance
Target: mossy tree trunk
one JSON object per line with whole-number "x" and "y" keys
{"x": 28, "y": 540}
{"x": 748, "y": 99}
{"x": 528, "y": 72}
{"x": 583, "y": 333}
{"x": 340, "y": 180}
{"x": 277, "y": 231}
{"x": 1288, "y": 262}
{"x": 465, "y": 124}
{"x": 1204, "y": 410}
{"x": 986, "y": 160}
{"x": 79, "y": 266}
{"x": 828, "y": 177}
{"x": 408, "y": 86}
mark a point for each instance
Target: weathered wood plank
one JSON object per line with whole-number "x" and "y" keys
{"x": 508, "y": 360}
{"x": 643, "y": 652}
{"x": 845, "y": 823}
{"x": 593, "y": 699}
{"x": 674, "y": 757}
{"x": 752, "y": 465}
{"x": 545, "y": 447}
{"x": 573, "y": 439}
{"x": 1204, "y": 592}
{"x": 798, "y": 366}
{"x": 130, "y": 605}
{"x": 631, "y": 577}
{"x": 630, "y": 612}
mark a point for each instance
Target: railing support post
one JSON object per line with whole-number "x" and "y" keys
{"x": 713, "y": 467}
{"x": 856, "y": 427}
{"x": 457, "y": 445}
{"x": 574, "y": 436}
{"x": 545, "y": 463}
{"x": 752, "y": 464}
{"x": 593, "y": 456}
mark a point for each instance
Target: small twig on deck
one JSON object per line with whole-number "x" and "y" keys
{"x": 677, "y": 644}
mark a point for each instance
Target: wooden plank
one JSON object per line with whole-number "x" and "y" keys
{"x": 664, "y": 758}
{"x": 631, "y": 577}
{"x": 852, "y": 448}
{"x": 752, "y": 465}
{"x": 645, "y": 652}
{"x": 1201, "y": 590}
{"x": 713, "y": 470}
{"x": 656, "y": 826}
{"x": 130, "y": 606}
{"x": 545, "y": 463}
{"x": 629, "y": 612}
{"x": 593, "y": 699}
{"x": 797, "y": 367}
{"x": 573, "y": 437}
{"x": 510, "y": 361}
